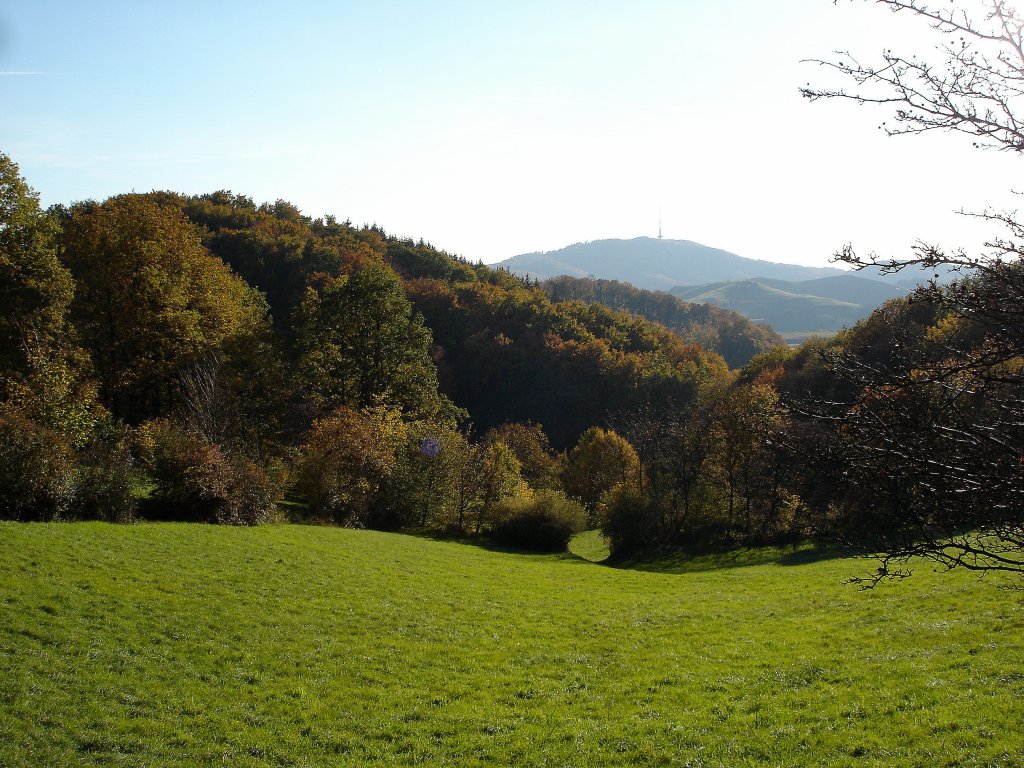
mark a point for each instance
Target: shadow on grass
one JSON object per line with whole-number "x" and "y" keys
{"x": 589, "y": 548}
{"x": 151, "y": 510}
{"x": 490, "y": 545}
{"x": 697, "y": 559}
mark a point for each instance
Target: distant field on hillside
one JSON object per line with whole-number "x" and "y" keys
{"x": 159, "y": 645}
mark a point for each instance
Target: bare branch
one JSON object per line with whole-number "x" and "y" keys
{"x": 976, "y": 87}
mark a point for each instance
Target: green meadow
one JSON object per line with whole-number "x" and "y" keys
{"x": 184, "y": 645}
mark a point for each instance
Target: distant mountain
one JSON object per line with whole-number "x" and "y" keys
{"x": 796, "y": 309}
{"x": 853, "y": 287}
{"x": 796, "y": 301}
{"x": 655, "y": 264}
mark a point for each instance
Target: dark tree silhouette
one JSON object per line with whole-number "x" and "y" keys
{"x": 933, "y": 442}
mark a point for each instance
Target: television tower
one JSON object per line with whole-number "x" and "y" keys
{"x": 659, "y": 224}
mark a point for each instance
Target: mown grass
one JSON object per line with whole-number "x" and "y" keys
{"x": 162, "y": 644}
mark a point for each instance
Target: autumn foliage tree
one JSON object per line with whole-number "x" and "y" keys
{"x": 750, "y": 465}
{"x": 150, "y": 299}
{"x": 601, "y": 460}
{"x": 345, "y": 458}
{"x": 537, "y": 462}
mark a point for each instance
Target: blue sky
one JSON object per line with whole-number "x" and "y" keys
{"x": 489, "y": 128}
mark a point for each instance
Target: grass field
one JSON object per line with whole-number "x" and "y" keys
{"x": 187, "y": 645}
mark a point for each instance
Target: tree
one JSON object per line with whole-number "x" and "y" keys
{"x": 150, "y": 299}
{"x": 530, "y": 445}
{"x": 745, "y": 455}
{"x": 345, "y": 459}
{"x": 43, "y": 375}
{"x": 974, "y": 88}
{"x": 933, "y": 437}
{"x": 422, "y": 491}
{"x": 601, "y": 460}
{"x": 496, "y": 478}
{"x": 241, "y": 396}
{"x": 35, "y": 290}
{"x": 479, "y": 476}
{"x": 672, "y": 444}
{"x": 362, "y": 344}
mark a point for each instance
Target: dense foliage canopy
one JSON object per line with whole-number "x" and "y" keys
{"x": 730, "y": 334}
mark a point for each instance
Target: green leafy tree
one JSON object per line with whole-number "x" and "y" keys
{"x": 362, "y": 344}
{"x": 55, "y": 392}
{"x": 481, "y": 475}
{"x": 35, "y": 290}
{"x": 423, "y": 489}
{"x": 43, "y": 375}
{"x": 495, "y": 471}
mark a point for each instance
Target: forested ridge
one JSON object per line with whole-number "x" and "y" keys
{"x": 202, "y": 358}
{"x": 728, "y": 333}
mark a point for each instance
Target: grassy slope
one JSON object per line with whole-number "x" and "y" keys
{"x": 195, "y": 645}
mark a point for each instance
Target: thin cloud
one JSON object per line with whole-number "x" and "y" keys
{"x": 16, "y": 73}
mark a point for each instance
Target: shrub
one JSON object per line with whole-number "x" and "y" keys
{"x": 107, "y": 479}
{"x": 629, "y": 521}
{"x": 191, "y": 476}
{"x": 196, "y": 481}
{"x": 37, "y": 470}
{"x": 543, "y": 522}
{"x": 345, "y": 459}
{"x": 252, "y": 496}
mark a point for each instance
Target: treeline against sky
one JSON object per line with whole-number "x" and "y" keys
{"x": 201, "y": 358}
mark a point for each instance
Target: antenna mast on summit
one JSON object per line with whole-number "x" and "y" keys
{"x": 659, "y": 224}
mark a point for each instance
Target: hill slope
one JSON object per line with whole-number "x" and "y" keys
{"x": 503, "y": 350}
{"x": 854, "y": 288}
{"x": 730, "y": 334}
{"x": 178, "y": 645}
{"x": 654, "y": 264}
{"x": 823, "y": 305}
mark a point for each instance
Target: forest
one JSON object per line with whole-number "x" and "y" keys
{"x": 208, "y": 359}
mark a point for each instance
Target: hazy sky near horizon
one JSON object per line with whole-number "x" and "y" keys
{"x": 491, "y": 129}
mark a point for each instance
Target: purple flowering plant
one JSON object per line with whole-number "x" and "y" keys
{"x": 430, "y": 447}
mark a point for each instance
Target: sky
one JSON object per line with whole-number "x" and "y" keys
{"x": 493, "y": 128}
